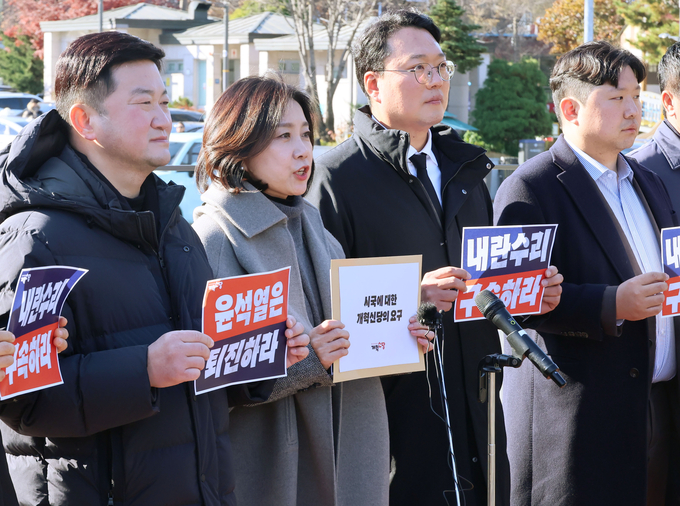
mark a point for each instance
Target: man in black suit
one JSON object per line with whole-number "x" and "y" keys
{"x": 405, "y": 185}
{"x": 603, "y": 439}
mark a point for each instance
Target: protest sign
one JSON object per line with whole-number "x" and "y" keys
{"x": 509, "y": 261}
{"x": 670, "y": 258}
{"x": 37, "y": 305}
{"x": 374, "y": 298}
{"x": 246, "y": 317}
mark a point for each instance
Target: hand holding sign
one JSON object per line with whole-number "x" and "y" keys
{"x": 7, "y": 348}
{"x": 641, "y": 297}
{"x": 176, "y": 357}
{"x": 330, "y": 341}
{"x": 441, "y": 286}
{"x": 422, "y": 333}
{"x": 296, "y": 341}
{"x": 6, "y": 351}
{"x": 552, "y": 282}
{"x": 61, "y": 335}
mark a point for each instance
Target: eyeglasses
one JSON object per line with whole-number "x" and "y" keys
{"x": 423, "y": 72}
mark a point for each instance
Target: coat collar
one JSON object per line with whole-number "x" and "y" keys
{"x": 669, "y": 144}
{"x": 249, "y": 211}
{"x": 392, "y": 145}
{"x": 591, "y": 204}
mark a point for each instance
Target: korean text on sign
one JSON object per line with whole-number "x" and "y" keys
{"x": 246, "y": 317}
{"x": 37, "y": 305}
{"x": 670, "y": 257}
{"x": 508, "y": 261}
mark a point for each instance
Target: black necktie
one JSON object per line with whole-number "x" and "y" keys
{"x": 420, "y": 163}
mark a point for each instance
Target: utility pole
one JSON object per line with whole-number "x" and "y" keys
{"x": 101, "y": 16}
{"x": 225, "y": 50}
{"x": 588, "y": 21}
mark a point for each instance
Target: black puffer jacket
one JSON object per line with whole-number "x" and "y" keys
{"x": 108, "y": 433}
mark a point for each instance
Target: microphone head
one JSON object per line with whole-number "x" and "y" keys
{"x": 488, "y": 303}
{"x": 427, "y": 313}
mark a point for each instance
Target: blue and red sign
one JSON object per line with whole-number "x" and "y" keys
{"x": 509, "y": 261}
{"x": 670, "y": 258}
{"x": 38, "y": 301}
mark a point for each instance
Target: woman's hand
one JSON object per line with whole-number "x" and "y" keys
{"x": 423, "y": 334}
{"x": 330, "y": 341}
{"x": 297, "y": 342}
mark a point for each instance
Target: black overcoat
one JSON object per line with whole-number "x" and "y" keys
{"x": 584, "y": 444}
{"x": 374, "y": 207}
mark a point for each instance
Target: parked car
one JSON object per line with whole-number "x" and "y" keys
{"x": 189, "y": 126}
{"x": 185, "y": 115}
{"x": 13, "y": 104}
{"x": 185, "y": 177}
{"x": 10, "y": 126}
{"x": 184, "y": 147}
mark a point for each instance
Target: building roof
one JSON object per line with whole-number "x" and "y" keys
{"x": 141, "y": 15}
{"x": 241, "y": 30}
{"x": 290, "y": 42}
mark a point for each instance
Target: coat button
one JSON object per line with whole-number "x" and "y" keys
{"x": 464, "y": 192}
{"x": 634, "y": 373}
{"x": 488, "y": 165}
{"x": 187, "y": 249}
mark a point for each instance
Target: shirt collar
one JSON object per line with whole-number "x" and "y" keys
{"x": 596, "y": 169}
{"x": 427, "y": 149}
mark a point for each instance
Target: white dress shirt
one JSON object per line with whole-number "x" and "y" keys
{"x": 433, "y": 171}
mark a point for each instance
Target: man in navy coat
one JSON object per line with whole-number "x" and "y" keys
{"x": 662, "y": 154}
{"x": 604, "y": 438}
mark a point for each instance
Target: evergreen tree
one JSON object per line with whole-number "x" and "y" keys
{"x": 653, "y": 17}
{"x": 18, "y": 66}
{"x": 459, "y": 46}
{"x": 512, "y": 105}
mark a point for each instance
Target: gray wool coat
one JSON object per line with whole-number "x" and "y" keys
{"x": 313, "y": 443}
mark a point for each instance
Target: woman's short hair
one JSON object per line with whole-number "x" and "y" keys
{"x": 241, "y": 125}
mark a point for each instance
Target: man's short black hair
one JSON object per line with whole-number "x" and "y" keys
{"x": 669, "y": 69}
{"x": 371, "y": 50}
{"x": 591, "y": 64}
{"x": 83, "y": 72}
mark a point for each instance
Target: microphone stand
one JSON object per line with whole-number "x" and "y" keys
{"x": 438, "y": 327}
{"x": 488, "y": 368}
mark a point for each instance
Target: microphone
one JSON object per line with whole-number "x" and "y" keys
{"x": 494, "y": 310}
{"x": 429, "y": 316}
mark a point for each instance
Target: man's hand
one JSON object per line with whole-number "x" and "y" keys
{"x": 297, "y": 342}
{"x": 422, "y": 333}
{"x": 6, "y": 351}
{"x": 441, "y": 286}
{"x": 330, "y": 341}
{"x": 641, "y": 297}
{"x": 61, "y": 335}
{"x": 176, "y": 357}
{"x": 552, "y": 281}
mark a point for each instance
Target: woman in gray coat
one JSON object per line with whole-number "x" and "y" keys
{"x": 314, "y": 443}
